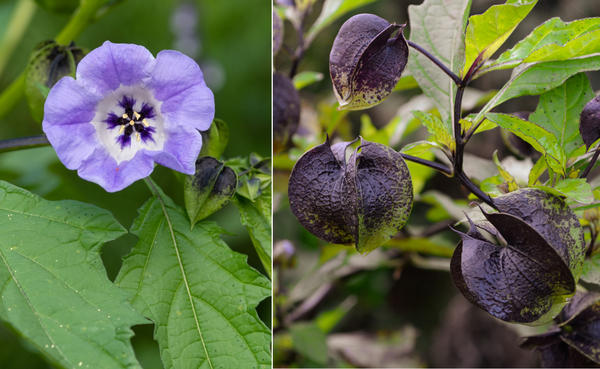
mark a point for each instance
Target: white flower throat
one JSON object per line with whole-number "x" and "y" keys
{"x": 128, "y": 120}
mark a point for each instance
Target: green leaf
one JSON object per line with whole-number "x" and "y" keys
{"x": 574, "y": 188}
{"x": 307, "y": 78}
{"x": 534, "y": 79}
{"x": 55, "y": 291}
{"x": 584, "y": 45}
{"x": 257, "y": 220}
{"x": 541, "y": 140}
{"x": 559, "y": 109}
{"x": 200, "y": 294}
{"x": 310, "y": 341}
{"x": 536, "y": 172}
{"x": 488, "y": 31}
{"x": 214, "y": 141}
{"x": 552, "y": 32}
{"x": 440, "y": 132}
{"x": 591, "y": 270}
{"x": 506, "y": 176}
{"x": 332, "y": 10}
{"x": 438, "y": 26}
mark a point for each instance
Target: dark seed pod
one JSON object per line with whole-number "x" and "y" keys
{"x": 366, "y": 60}
{"x": 575, "y": 341}
{"x": 589, "y": 122}
{"x": 209, "y": 189}
{"x": 364, "y": 200}
{"x": 48, "y": 63}
{"x": 286, "y": 111}
{"x": 528, "y": 279}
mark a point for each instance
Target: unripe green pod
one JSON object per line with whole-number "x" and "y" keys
{"x": 209, "y": 189}
{"x": 48, "y": 63}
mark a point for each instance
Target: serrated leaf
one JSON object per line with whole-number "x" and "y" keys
{"x": 55, "y": 291}
{"x": 488, "y": 31}
{"x": 258, "y": 223}
{"x": 536, "y": 172}
{"x": 438, "y": 26}
{"x": 199, "y": 293}
{"x": 559, "y": 110}
{"x": 332, "y": 10}
{"x": 541, "y": 140}
{"x": 552, "y": 32}
{"x": 537, "y": 78}
{"x": 441, "y": 132}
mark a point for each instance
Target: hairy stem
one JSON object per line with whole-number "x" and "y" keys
{"x": 23, "y": 143}
{"x": 436, "y": 61}
{"x": 590, "y": 165}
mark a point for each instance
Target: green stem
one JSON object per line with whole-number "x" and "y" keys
{"x": 80, "y": 19}
{"x": 19, "y": 22}
{"x": 12, "y": 94}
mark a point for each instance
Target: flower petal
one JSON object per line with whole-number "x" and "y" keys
{"x": 172, "y": 155}
{"x": 177, "y": 81}
{"x": 68, "y": 111}
{"x": 111, "y": 65}
{"x": 102, "y": 169}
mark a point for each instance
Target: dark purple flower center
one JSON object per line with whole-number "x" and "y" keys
{"x": 131, "y": 121}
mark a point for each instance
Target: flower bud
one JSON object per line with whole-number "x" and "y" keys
{"x": 366, "y": 60}
{"x": 286, "y": 111}
{"x": 364, "y": 200}
{"x": 48, "y": 63}
{"x": 209, "y": 189}
{"x": 215, "y": 139}
{"x": 589, "y": 122}
{"x": 528, "y": 275}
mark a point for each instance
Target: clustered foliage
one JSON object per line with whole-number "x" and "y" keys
{"x": 530, "y": 254}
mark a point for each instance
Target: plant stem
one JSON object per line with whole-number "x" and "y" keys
{"x": 590, "y": 165}
{"x": 20, "y": 19}
{"x": 437, "y": 166}
{"x": 23, "y": 143}
{"x": 436, "y": 61}
{"x": 457, "y": 161}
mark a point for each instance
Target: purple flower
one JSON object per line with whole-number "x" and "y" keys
{"x": 127, "y": 110}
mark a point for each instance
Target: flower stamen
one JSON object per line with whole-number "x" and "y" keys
{"x": 132, "y": 121}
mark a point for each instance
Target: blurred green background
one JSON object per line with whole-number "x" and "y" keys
{"x": 231, "y": 40}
